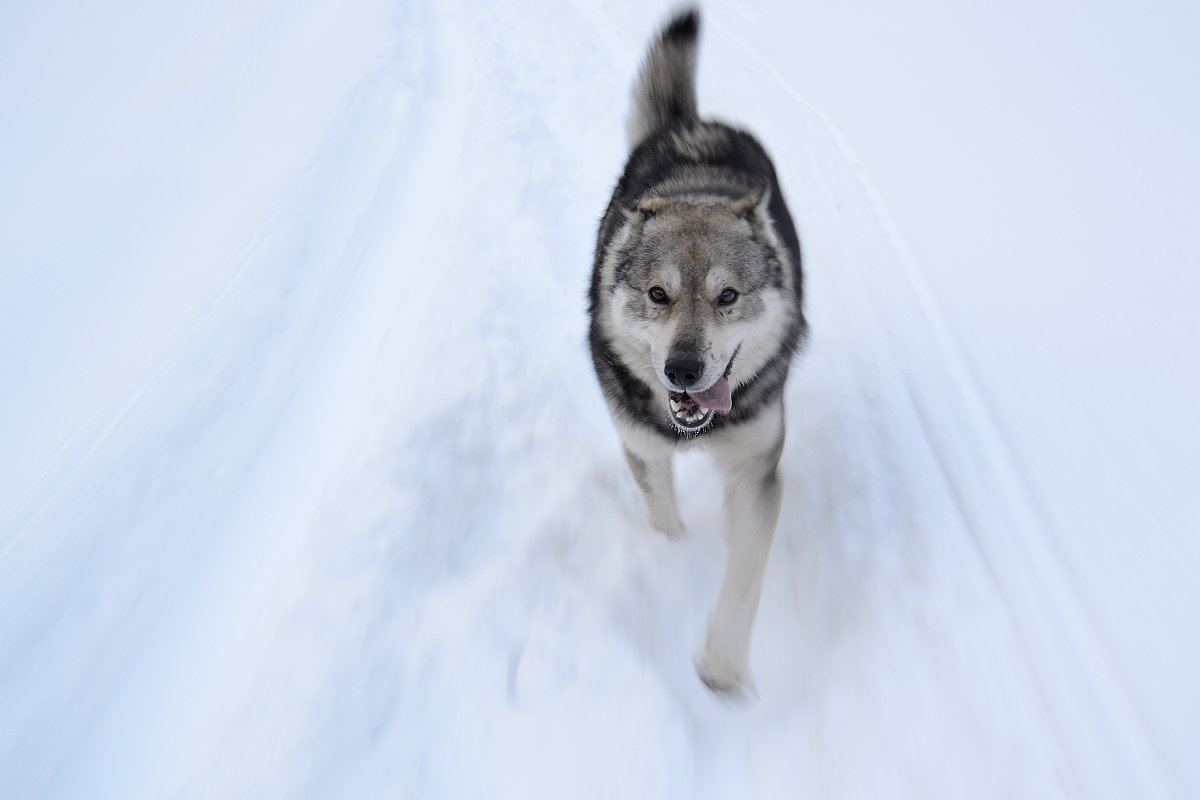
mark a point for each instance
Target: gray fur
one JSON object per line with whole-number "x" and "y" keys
{"x": 638, "y": 469}
{"x": 666, "y": 87}
{"x": 698, "y": 211}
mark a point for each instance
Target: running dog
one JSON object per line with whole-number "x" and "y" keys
{"x": 696, "y": 314}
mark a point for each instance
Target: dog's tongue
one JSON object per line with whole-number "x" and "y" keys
{"x": 715, "y": 397}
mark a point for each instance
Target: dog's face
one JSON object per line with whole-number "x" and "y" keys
{"x": 698, "y": 304}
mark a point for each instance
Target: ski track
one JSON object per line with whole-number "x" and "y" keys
{"x": 364, "y": 529}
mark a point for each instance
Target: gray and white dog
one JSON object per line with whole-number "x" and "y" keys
{"x": 696, "y": 314}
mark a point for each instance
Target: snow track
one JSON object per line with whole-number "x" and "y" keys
{"x": 347, "y": 516}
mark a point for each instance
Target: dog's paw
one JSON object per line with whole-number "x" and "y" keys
{"x": 722, "y": 678}
{"x": 673, "y": 528}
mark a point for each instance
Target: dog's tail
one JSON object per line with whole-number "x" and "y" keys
{"x": 666, "y": 86}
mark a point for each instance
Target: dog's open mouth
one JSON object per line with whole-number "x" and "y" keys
{"x": 692, "y": 411}
{"x": 687, "y": 414}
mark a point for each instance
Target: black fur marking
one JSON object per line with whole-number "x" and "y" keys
{"x": 683, "y": 28}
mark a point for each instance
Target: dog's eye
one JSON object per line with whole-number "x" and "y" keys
{"x": 659, "y": 296}
{"x": 728, "y": 297}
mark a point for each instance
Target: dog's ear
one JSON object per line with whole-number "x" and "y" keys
{"x": 758, "y": 196}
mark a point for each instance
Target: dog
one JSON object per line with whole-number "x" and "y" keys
{"x": 696, "y": 313}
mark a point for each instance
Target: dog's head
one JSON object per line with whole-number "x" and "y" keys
{"x": 698, "y": 298}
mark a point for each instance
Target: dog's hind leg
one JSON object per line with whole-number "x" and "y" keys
{"x": 747, "y": 459}
{"x": 651, "y": 468}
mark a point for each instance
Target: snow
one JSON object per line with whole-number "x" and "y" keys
{"x": 306, "y": 488}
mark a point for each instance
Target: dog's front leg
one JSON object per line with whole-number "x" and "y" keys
{"x": 752, "y": 494}
{"x": 651, "y": 468}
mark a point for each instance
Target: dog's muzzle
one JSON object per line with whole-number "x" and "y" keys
{"x": 693, "y": 411}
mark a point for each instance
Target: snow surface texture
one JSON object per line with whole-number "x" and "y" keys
{"x": 306, "y": 488}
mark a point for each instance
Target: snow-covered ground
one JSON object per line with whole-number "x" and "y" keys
{"x": 306, "y": 488}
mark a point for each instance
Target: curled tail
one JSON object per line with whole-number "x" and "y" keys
{"x": 666, "y": 86}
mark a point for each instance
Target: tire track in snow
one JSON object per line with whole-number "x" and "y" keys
{"x": 201, "y": 429}
{"x": 352, "y": 671}
{"x": 1092, "y": 656}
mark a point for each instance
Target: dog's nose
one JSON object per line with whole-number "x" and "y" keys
{"x": 684, "y": 370}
